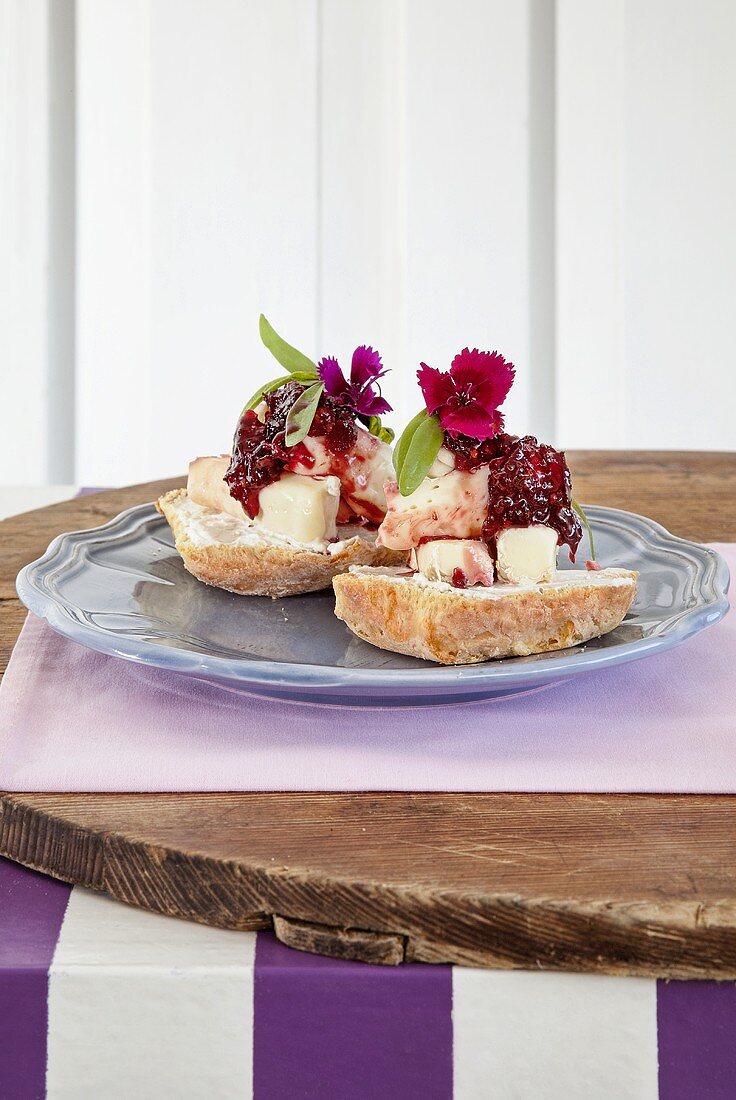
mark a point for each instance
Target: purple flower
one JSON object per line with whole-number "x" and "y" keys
{"x": 466, "y": 398}
{"x": 359, "y": 394}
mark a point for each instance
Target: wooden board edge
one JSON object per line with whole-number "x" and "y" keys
{"x": 356, "y": 944}
{"x": 358, "y": 919}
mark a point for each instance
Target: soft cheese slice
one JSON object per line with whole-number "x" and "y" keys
{"x": 526, "y": 555}
{"x": 206, "y": 486}
{"x": 440, "y": 560}
{"x": 363, "y": 471}
{"x": 453, "y": 505}
{"x": 302, "y": 508}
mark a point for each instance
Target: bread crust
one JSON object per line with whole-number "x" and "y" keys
{"x": 453, "y": 628}
{"x": 267, "y": 569}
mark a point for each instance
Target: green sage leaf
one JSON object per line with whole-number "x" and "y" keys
{"x": 375, "y": 427}
{"x": 579, "y": 509}
{"x": 294, "y": 361}
{"x": 265, "y": 388}
{"x": 301, "y": 414}
{"x": 405, "y": 439}
{"x": 268, "y": 387}
{"x": 420, "y": 454}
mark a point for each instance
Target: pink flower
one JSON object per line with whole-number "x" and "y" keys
{"x": 359, "y": 394}
{"x": 466, "y": 398}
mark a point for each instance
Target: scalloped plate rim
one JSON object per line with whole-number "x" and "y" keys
{"x": 289, "y": 678}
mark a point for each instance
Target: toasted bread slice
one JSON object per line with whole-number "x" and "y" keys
{"x": 229, "y": 554}
{"x": 402, "y": 612}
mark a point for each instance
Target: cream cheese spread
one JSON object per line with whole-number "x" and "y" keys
{"x": 205, "y": 527}
{"x": 563, "y": 578}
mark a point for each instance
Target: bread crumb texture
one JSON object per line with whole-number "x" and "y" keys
{"x": 455, "y": 629}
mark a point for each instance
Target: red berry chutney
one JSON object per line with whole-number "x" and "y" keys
{"x": 528, "y": 482}
{"x": 260, "y": 454}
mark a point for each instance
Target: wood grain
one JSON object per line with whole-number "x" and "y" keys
{"x": 614, "y": 884}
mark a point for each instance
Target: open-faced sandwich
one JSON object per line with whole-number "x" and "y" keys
{"x": 480, "y": 515}
{"x": 300, "y": 497}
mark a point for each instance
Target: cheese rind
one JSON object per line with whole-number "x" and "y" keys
{"x": 303, "y": 508}
{"x": 526, "y": 555}
{"x": 439, "y": 560}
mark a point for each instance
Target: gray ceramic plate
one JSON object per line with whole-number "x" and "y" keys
{"x": 122, "y": 589}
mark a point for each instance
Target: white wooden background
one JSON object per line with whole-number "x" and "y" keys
{"x": 555, "y": 179}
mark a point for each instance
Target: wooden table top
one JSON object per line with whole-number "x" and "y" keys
{"x": 616, "y": 884}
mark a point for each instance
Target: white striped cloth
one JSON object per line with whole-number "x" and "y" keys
{"x": 101, "y": 1000}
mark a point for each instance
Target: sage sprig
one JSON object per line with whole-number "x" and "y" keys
{"x": 268, "y": 387}
{"x": 302, "y": 413}
{"x": 577, "y": 506}
{"x": 304, "y": 370}
{"x": 296, "y": 362}
{"x": 375, "y": 427}
{"x": 300, "y": 367}
{"x": 416, "y": 451}
{"x": 405, "y": 439}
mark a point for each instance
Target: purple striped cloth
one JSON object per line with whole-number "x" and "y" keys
{"x": 98, "y": 999}
{"x": 32, "y": 909}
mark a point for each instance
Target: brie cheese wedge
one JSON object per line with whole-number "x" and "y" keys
{"x": 526, "y": 555}
{"x": 453, "y": 505}
{"x": 206, "y": 486}
{"x": 466, "y": 561}
{"x": 304, "y": 508}
{"x": 300, "y": 508}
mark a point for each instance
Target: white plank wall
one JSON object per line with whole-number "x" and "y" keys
{"x": 36, "y": 241}
{"x": 425, "y": 185}
{"x": 591, "y": 382}
{"x": 24, "y": 238}
{"x": 550, "y": 177}
{"x": 469, "y": 189}
{"x": 197, "y": 209}
{"x": 114, "y": 417}
{"x": 680, "y": 233}
{"x": 362, "y": 182}
{"x": 646, "y": 223}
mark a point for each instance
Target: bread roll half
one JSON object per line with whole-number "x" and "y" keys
{"x": 227, "y": 553}
{"x": 406, "y": 614}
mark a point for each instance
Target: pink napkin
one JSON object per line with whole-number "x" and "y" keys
{"x": 74, "y": 720}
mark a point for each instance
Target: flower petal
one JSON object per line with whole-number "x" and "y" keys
{"x": 472, "y": 421}
{"x": 484, "y": 374}
{"x": 331, "y": 374}
{"x": 437, "y": 387}
{"x": 370, "y": 403}
{"x": 366, "y": 366}
{"x": 359, "y": 394}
